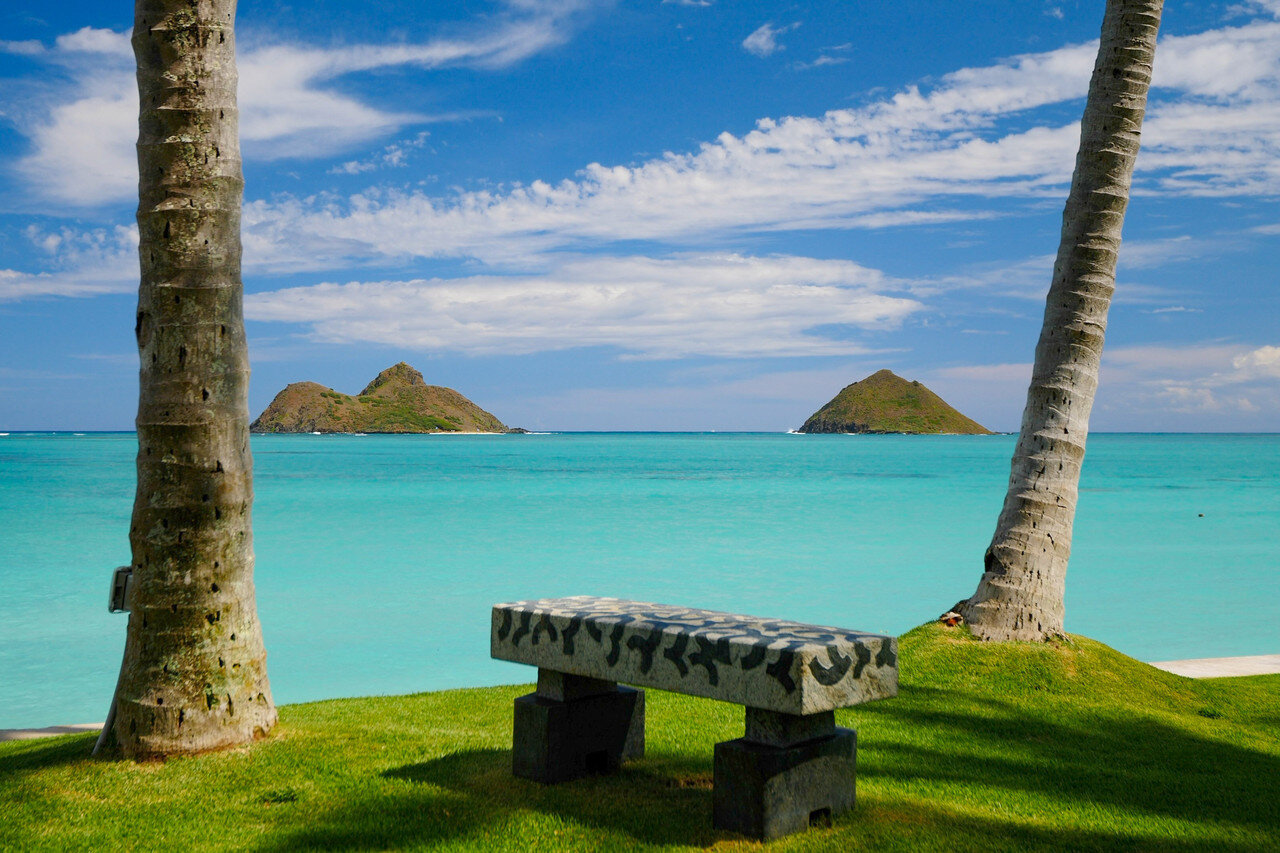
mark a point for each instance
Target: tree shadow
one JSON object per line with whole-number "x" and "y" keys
{"x": 27, "y": 756}
{"x": 471, "y": 794}
{"x": 1134, "y": 768}
{"x": 1133, "y": 763}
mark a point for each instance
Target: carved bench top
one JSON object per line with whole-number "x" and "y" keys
{"x": 772, "y": 664}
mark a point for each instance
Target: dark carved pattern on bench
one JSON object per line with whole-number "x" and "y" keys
{"x": 713, "y": 638}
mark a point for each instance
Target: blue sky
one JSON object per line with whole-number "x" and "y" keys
{"x": 690, "y": 214}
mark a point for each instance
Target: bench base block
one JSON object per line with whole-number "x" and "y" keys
{"x": 768, "y": 791}
{"x": 555, "y": 741}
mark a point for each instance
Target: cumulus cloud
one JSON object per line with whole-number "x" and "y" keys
{"x": 83, "y": 263}
{"x": 1198, "y": 378}
{"x": 1261, "y": 363}
{"x": 764, "y": 40}
{"x": 719, "y": 305}
{"x": 1141, "y": 384}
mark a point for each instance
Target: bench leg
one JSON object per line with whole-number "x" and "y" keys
{"x": 573, "y": 726}
{"x": 788, "y": 773}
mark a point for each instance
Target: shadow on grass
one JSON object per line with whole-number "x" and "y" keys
{"x": 471, "y": 795}
{"x": 1075, "y": 779}
{"x": 27, "y": 756}
{"x": 1134, "y": 764}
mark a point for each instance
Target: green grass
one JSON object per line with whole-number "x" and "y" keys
{"x": 987, "y": 747}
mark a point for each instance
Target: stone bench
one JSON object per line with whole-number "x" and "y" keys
{"x": 793, "y": 767}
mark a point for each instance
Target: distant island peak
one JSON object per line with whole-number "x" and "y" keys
{"x": 884, "y": 402}
{"x": 398, "y": 400}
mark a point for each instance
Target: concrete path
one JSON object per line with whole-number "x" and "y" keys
{"x": 1221, "y": 667}
{"x": 1197, "y": 668}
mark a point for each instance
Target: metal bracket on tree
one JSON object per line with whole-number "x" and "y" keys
{"x": 121, "y": 586}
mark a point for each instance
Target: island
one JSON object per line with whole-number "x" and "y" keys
{"x": 398, "y": 400}
{"x": 886, "y": 403}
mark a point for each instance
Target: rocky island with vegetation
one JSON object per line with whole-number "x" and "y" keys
{"x": 886, "y": 403}
{"x": 398, "y": 400}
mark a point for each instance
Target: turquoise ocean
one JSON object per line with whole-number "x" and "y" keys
{"x": 378, "y": 557}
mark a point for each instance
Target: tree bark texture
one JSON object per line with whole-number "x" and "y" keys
{"x": 194, "y": 675}
{"x": 1020, "y": 596}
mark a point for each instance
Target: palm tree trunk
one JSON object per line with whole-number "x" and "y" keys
{"x": 1020, "y": 596}
{"x": 194, "y": 675}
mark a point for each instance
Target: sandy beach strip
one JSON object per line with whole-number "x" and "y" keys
{"x": 1195, "y": 668}
{"x": 1222, "y": 667}
{"x": 28, "y": 734}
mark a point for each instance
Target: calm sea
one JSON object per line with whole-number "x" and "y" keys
{"x": 378, "y": 557}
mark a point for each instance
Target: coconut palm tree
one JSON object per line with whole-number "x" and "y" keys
{"x": 194, "y": 674}
{"x": 1020, "y": 596}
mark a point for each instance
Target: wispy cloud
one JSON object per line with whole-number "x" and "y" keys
{"x": 763, "y": 41}
{"x": 918, "y": 156}
{"x": 394, "y": 156}
{"x": 1175, "y": 309}
{"x": 82, "y": 144}
{"x": 720, "y": 305}
{"x": 823, "y": 59}
{"x": 836, "y": 54}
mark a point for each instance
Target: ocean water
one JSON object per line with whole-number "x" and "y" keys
{"x": 378, "y": 556}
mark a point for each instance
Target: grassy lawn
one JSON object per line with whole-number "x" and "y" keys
{"x": 987, "y": 747}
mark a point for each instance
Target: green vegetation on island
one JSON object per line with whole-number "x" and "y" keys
{"x": 397, "y": 401}
{"x": 988, "y": 747}
{"x": 886, "y": 403}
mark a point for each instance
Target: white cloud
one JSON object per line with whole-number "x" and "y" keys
{"x": 393, "y": 156}
{"x": 93, "y": 40}
{"x": 82, "y": 147}
{"x": 823, "y": 59}
{"x": 1175, "y": 309}
{"x": 16, "y": 285}
{"x": 721, "y": 305}
{"x": 1261, "y": 363}
{"x": 902, "y": 160}
{"x": 1185, "y": 386}
{"x": 764, "y": 40}
{"x": 85, "y": 263}
{"x": 1197, "y": 378}
{"x": 22, "y": 48}
{"x": 1213, "y": 129}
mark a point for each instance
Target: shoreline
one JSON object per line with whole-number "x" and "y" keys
{"x": 1229, "y": 667}
{"x": 1222, "y": 667}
